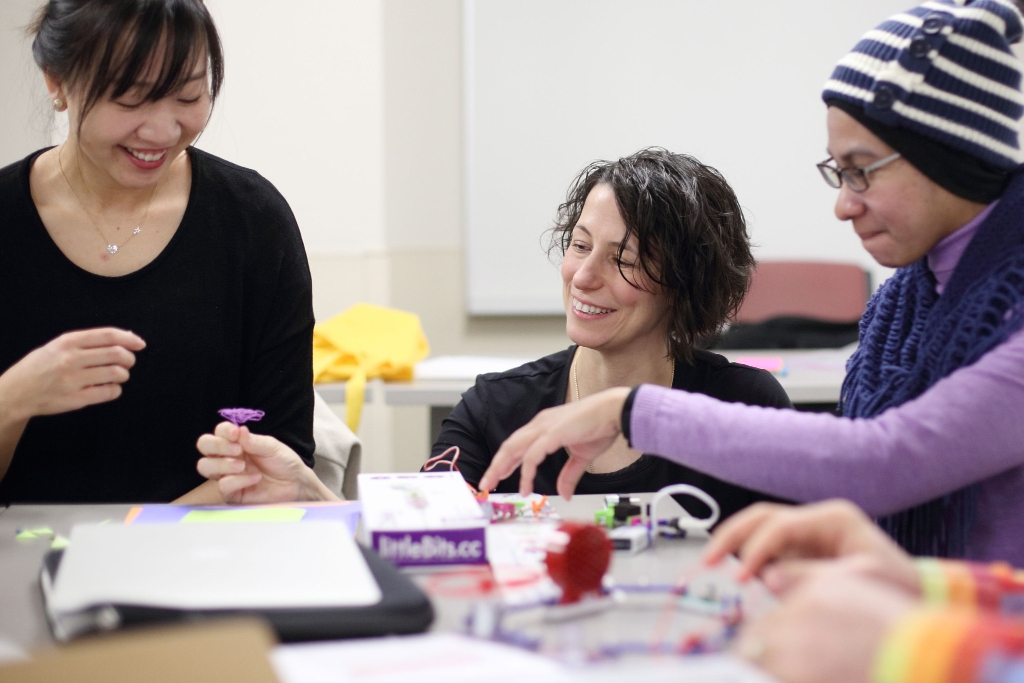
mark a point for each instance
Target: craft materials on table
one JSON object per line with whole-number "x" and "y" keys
{"x": 630, "y": 530}
{"x": 57, "y": 541}
{"x": 239, "y": 416}
{"x": 516, "y": 553}
{"x": 578, "y": 556}
{"x": 545, "y": 577}
{"x": 344, "y": 511}
{"x": 698, "y": 613}
{"x": 423, "y": 519}
{"x": 505, "y": 507}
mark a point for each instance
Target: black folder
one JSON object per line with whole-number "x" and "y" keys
{"x": 403, "y": 609}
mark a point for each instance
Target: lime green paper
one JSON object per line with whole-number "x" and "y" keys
{"x": 268, "y": 514}
{"x": 29, "y": 534}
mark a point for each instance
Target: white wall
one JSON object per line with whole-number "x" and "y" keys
{"x": 303, "y": 104}
{"x": 24, "y": 107}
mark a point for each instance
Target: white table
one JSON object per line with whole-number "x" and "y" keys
{"x": 812, "y": 376}
{"x": 813, "y": 379}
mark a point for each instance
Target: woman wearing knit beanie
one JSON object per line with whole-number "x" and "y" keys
{"x": 923, "y": 120}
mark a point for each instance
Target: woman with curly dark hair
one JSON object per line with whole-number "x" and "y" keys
{"x": 927, "y": 161}
{"x": 655, "y": 258}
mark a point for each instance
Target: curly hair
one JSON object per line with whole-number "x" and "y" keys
{"x": 691, "y": 237}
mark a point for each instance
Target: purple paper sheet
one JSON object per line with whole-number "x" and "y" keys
{"x": 347, "y": 512}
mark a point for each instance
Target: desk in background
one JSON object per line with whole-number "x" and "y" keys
{"x": 813, "y": 380}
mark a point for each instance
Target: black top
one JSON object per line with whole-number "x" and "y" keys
{"x": 225, "y": 310}
{"x": 501, "y": 403}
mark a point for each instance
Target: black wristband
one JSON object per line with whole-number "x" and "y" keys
{"x": 627, "y": 408}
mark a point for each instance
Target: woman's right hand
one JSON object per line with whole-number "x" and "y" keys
{"x": 75, "y": 370}
{"x": 794, "y": 540}
{"x": 255, "y": 468}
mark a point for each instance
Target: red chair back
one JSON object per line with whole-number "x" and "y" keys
{"x": 835, "y": 292}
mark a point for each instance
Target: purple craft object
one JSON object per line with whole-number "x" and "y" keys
{"x": 240, "y": 416}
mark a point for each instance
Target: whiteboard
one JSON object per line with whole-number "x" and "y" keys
{"x": 551, "y": 85}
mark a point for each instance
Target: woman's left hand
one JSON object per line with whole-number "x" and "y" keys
{"x": 586, "y": 429}
{"x": 253, "y": 468}
{"x": 829, "y": 628}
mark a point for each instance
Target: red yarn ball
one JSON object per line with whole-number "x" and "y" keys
{"x": 578, "y": 557}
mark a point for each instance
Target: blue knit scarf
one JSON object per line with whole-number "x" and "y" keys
{"x": 910, "y": 338}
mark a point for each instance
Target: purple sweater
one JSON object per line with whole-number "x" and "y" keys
{"x": 968, "y": 427}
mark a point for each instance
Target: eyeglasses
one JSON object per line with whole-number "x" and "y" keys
{"x": 856, "y": 177}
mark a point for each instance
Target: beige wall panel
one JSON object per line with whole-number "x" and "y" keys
{"x": 24, "y": 107}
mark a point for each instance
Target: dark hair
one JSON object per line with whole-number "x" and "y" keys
{"x": 105, "y": 46}
{"x": 691, "y": 237}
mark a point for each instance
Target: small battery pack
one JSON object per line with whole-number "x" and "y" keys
{"x": 631, "y": 539}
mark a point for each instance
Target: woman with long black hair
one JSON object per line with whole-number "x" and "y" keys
{"x": 144, "y": 284}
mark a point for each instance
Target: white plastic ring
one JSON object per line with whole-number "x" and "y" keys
{"x": 687, "y": 523}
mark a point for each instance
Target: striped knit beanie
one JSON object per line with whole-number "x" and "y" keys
{"x": 940, "y": 84}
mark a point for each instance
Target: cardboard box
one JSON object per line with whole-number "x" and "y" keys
{"x": 217, "y": 651}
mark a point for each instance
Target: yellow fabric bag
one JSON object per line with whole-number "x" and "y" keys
{"x": 365, "y": 342}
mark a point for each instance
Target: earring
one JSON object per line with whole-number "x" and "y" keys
{"x": 58, "y": 104}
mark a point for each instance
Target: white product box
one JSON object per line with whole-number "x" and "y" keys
{"x": 423, "y": 519}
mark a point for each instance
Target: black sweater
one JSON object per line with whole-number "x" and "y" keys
{"x": 500, "y": 403}
{"x": 226, "y": 313}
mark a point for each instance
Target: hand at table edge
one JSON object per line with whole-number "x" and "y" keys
{"x": 586, "y": 429}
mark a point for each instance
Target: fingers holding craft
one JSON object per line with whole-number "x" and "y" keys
{"x": 216, "y": 468}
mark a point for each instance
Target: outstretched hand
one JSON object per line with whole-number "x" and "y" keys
{"x": 253, "y": 468}
{"x": 794, "y": 540}
{"x": 586, "y": 429}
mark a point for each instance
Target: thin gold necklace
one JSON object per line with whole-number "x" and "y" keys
{"x": 576, "y": 390}
{"x": 112, "y": 248}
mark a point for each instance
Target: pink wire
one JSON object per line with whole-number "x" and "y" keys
{"x": 438, "y": 459}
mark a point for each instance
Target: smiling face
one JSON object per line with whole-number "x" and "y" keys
{"x": 603, "y": 310}
{"x": 128, "y": 142}
{"x": 902, "y": 214}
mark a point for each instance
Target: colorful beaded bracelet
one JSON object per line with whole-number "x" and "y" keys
{"x": 967, "y": 584}
{"x": 923, "y": 646}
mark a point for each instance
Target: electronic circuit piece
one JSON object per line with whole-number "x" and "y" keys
{"x": 631, "y": 539}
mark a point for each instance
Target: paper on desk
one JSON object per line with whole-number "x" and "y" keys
{"x": 453, "y": 658}
{"x": 440, "y": 657}
{"x": 693, "y": 669}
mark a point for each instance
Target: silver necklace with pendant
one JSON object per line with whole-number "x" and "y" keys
{"x": 112, "y": 247}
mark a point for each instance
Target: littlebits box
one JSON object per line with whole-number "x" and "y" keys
{"x": 423, "y": 519}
